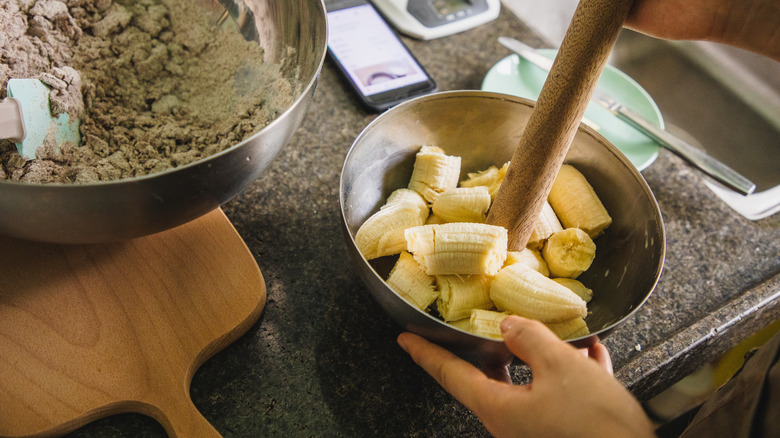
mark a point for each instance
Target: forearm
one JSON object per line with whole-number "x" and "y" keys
{"x": 755, "y": 26}
{"x": 752, "y": 25}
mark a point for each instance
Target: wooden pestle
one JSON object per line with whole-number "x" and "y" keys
{"x": 556, "y": 116}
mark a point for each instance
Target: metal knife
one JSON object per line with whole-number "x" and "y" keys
{"x": 698, "y": 158}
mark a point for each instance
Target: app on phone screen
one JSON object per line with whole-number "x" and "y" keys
{"x": 370, "y": 52}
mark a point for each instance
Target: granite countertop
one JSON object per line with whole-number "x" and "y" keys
{"x": 322, "y": 360}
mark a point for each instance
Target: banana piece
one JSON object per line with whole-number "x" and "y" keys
{"x": 490, "y": 178}
{"x": 463, "y": 324}
{"x": 577, "y": 287}
{"x": 573, "y": 328}
{"x": 484, "y": 178}
{"x": 569, "y": 252}
{"x": 407, "y": 196}
{"x": 530, "y": 257}
{"x": 576, "y": 203}
{"x": 411, "y": 283}
{"x": 433, "y": 219}
{"x": 520, "y": 290}
{"x": 382, "y": 233}
{"x": 434, "y": 172}
{"x": 547, "y": 224}
{"x": 458, "y": 248}
{"x": 393, "y": 240}
{"x": 487, "y": 323}
{"x": 463, "y": 204}
{"x": 458, "y": 295}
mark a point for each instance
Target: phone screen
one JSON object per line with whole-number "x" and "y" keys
{"x": 370, "y": 53}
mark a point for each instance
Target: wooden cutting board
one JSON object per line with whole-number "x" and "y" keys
{"x": 88, "y": 331}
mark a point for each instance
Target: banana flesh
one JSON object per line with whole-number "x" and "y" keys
{"x": 569, "y": 253}
{"x": 382, "y": 233}
{"x": 463, "y": 324}
{"x": 491, "y": 178}
{"x": 411, "y": 283}
{"x": 458, "y": 248}
{"x": 573, "y": 328}
{"x": 434, "y": 172}
{"x": 433, "y": 220}
{"x": 449, "y": 258}
{"x": 407, "y": 196}
{"x": 458, "y": 295}
{"x": 485, "y": 178}
{"x": 463, "y": 204}
{"x": 530, "y": 257}
{"x": 547, "y": 224}
{"x": 577, "y": 287}
{"x": 486, "y": 323}
{"x": 576, "y": 203}
{"x": 520, "y": 290}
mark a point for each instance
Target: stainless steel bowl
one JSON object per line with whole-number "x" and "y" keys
{"x": 483, "y": 129}
{"x": 133, "y": 207}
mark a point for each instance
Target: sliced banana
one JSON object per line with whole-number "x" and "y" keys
{"x": 483, "y": 178}
{"x": 577, "y": 287}
{"x": 573, "y": 328}
{"x": 433, "y": 220}
{"x": 490, "y": 178}
{"x": 463, "y": 324}
{"x": 576, "y": 203}
{"x": 487, "y": 323}
{"x": 407, "y": 197}
{"x": 409, "y": 281}
{"x": 569, "y": 252}
{"x": 547, "y": 224}
{"x": 450, "y": 257}
{"x": 520, "y": 290}
{"x": 530, "y": 257}
{"x": 458, "y": 248}
{"x": 382, "y": 233}
{"x": 463, "y": 204}
{"x": 459, "y": 294}
{"x": 434, "y": 172}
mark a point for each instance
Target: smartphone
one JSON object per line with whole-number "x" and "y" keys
{"x": 379, "y": 67}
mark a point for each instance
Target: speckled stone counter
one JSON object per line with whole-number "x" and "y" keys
{"x": 322, "y": 360}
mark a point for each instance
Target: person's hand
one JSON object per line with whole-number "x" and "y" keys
{"x": 572, "y": 394}
{"x": 748, "y": 24}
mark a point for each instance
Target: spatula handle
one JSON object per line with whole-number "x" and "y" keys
{"x": 556, "y": 116}
{"x": 11, "y": 122}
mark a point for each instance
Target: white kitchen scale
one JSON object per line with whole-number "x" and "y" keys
{"x": 430, "y": 19}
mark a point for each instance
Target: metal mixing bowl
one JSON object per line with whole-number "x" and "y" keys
{"x": 483, "y": 129}
{"x": 133, "y": 207}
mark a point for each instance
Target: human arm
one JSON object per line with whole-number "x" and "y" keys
{"x": 752, "y": 25}
{"x": 571, "y": 394}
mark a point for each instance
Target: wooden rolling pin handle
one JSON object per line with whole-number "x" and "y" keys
{"x": 556, "y": 116}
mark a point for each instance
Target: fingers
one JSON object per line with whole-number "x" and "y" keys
{"x": 461, "y": 379}
{"x": 600, "y": 354}
{"x": 534, "y": 343}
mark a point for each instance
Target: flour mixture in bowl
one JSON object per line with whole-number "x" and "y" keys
{"x": 157, "y": 84}
{"x": 182, "y": 103}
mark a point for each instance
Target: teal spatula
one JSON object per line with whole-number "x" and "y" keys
{"x": 26, "y": 119}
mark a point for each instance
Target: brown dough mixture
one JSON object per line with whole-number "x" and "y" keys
{"x": 155, "y": 84}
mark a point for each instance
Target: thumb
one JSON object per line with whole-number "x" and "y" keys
{"x": 534, "y": 343}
